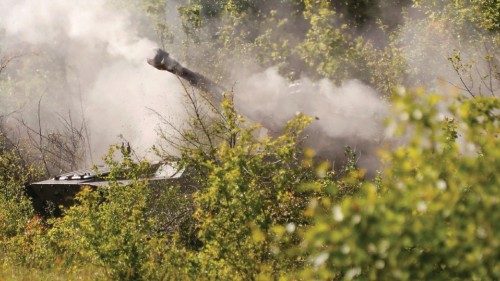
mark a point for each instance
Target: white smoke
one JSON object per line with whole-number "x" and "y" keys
{"x": 102, "y": 47}
{"x": 351, "y": 110}
{"x": 351, "y": 114}
{"x": 89, "y": 22}
{"x": 103, "y": 55}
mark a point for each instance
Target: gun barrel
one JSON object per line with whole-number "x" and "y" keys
{"x": 163, "y": 61}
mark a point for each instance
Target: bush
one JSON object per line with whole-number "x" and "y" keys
{"x": 433, "y": 215}
{"x": 109, "y": 227}
{"x": 19, "y": 227}
{"x": 263, "y": 212}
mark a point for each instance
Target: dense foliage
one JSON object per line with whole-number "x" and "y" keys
{"x": 269, "y": 208}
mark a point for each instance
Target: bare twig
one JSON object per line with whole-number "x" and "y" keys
{"x": 40, "y": 139}
{"x": 6, "y": 60}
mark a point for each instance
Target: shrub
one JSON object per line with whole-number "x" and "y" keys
{"x": 433, "y": 215}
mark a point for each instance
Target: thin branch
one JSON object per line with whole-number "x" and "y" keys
{"x": 40, "y": 139}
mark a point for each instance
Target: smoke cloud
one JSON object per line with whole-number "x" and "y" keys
{"x": 103, "y": 52}
{"x": 351, "y": 114}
